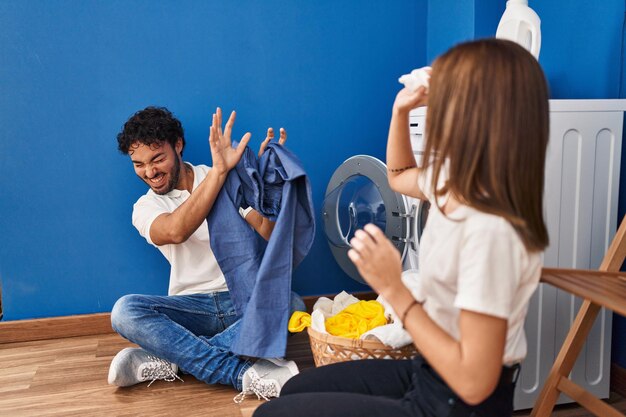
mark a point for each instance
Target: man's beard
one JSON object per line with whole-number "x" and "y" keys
{"x": 173, "y": 181}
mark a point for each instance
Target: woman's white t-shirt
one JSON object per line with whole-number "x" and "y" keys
{"x": 471, "y": 260}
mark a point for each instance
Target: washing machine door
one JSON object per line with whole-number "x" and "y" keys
{"x": 358, "y": 193}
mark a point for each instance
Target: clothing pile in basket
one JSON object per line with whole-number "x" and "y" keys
{"x": 347, "y": 316}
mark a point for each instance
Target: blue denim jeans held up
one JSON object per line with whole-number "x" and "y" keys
{"x": 258, "y": 275}
{"x": 192, "y": 331}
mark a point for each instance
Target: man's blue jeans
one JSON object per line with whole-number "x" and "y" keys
{"x": 192, "y": 331}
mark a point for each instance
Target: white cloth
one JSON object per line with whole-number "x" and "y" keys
{"x": 341, "y": 301}
{"x": 475, "y": 261}
{"x": 416, "y": 79}
{"x": 318, "y": 321}
{"x": 325, "y": 306}
{"x": 393, "y": 334}
{"x": 194, "y": 269}
{"x": 332, "y": 307}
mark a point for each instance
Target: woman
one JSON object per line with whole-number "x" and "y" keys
{"x": 480, "y": 253}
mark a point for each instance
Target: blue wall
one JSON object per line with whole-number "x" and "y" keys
{"x": 453, "y": 21}
{"x": 581, "y": 45}
{"x": 71, "y": 72}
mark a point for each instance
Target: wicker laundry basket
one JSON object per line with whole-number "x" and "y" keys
{"x": 327, "y": 349}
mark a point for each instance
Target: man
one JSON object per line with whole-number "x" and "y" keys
{"x": 192, "y": 327}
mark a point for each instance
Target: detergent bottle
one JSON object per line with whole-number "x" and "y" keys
{"x": 520, "y": 24}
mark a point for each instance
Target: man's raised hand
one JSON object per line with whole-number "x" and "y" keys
{"x": 270, "y": 135}
{"x": 225, "y": 157}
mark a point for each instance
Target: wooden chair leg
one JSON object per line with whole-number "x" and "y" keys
{"x": 567, "y": 357}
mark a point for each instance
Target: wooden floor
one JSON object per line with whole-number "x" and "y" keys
{"x": 67, "y": 377}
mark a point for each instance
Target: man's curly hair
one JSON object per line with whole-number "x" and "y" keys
{"x": 151, "y": 126}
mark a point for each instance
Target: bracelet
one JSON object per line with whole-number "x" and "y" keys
{"x": 413, "y": 304}
{"x": 401, "y": 169}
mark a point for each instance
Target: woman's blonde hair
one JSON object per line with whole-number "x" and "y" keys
{"x": 488, "y": 119}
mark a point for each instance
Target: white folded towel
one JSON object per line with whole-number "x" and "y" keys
{"x": 416, "y": 79}
{"x": 393, "y": 334}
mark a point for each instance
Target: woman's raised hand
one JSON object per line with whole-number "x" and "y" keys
{"x": 407, "y": 99}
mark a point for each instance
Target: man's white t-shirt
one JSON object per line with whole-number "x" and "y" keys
{"x": 474, "y": 261}
{"x": 194, "y": 269}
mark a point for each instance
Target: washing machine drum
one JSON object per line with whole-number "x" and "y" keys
{"x": 358, "y": 193}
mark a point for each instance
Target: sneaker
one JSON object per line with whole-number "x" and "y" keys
{"x": 266, "y": 378}
{"x": 134, "y": 365}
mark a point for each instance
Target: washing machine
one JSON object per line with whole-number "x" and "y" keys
{"x": 358, "y": 193}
